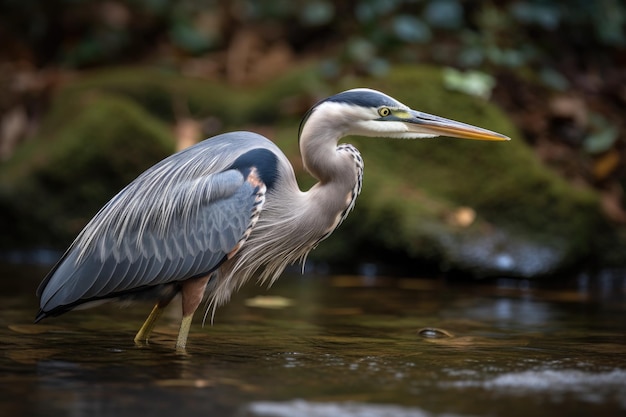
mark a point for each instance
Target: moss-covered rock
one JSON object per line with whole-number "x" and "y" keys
{"x": 529, "y": 221}
{"x": 57, "y": 182}
{"x": 165, "y": 94}
{"x": 106, "y": 128}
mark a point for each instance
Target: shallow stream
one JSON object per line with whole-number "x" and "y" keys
{"x": 327, "y": 346}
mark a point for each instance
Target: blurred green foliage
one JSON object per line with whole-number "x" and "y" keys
{"x": 106, "y": 128}
{"x": 58, "y": 180}
{"x": 371, "y": 33}
{"x": 540, "y": 41}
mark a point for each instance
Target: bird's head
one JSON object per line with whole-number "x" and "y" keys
{"x": 367, "y": 112}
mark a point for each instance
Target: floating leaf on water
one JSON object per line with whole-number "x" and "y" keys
{"x": 191, "y": 383}
{"x": 269, "y": 301}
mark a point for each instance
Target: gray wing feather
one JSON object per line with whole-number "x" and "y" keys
{"x": 132, "y": 244}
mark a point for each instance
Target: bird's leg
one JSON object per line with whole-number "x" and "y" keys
{"x": 193, "y": 293}
{"x": 143, "y": 334}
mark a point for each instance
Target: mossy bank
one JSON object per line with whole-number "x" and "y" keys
{"x": 481, "y": 207}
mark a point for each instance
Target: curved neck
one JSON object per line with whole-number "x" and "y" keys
{"x": 319, "y": 156}
{"x": 318, "y": 147}
{"x": 339, "y": 170}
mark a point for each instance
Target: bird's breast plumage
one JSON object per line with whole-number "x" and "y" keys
{"x": 352, "y": 193}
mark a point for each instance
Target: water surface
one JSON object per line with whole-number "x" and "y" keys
{"x": 327, "y": 346}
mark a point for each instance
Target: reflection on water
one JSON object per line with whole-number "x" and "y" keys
{"x": 309, "y": 409}
{"x": 315, "y": 346}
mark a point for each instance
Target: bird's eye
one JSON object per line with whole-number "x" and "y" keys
{"x": 384, "y": 111}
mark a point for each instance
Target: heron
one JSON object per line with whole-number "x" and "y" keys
{"x": 205, "y": 220}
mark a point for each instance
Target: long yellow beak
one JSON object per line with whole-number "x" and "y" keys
{"x": 431, "y": 124}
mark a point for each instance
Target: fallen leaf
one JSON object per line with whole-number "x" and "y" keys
{"x": 269, "y": 301}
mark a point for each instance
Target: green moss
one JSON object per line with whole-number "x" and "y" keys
{"x": 105, "y": 128}
{"x": 65, "y": 178}
{"x": 411, "y": 186}
{"x": 167, "y": 95}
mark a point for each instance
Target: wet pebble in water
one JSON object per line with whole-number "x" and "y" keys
{"x": 434, "y": 333}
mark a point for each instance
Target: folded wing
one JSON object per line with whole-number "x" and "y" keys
{"x": 153, "y": 234}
